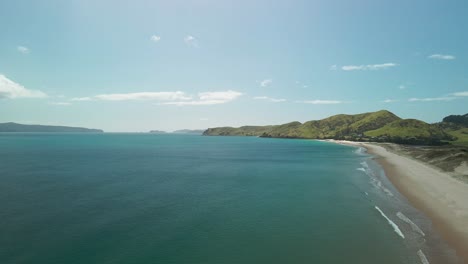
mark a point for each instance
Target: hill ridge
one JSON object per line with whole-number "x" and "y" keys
{"x": 16, "y": 127}
{"x": 378, "y": 126}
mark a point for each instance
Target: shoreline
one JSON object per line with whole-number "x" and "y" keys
{"x": 441, "y": 197}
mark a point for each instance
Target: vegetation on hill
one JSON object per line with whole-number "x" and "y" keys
{"x": 410, "y": 131}
{"x": 457, "y": 127}
{"x": 380, "y": 126}
{"x": 14, "y": 127}
{"x": 457, "y": 119}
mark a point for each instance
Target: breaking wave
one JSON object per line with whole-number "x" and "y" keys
{"x": 374, "y": 181}
{"x": 360, "y": 151}
{"x": 411, "y": 223}
{"x": 422, "y": 257}
{"x": 395, "y": 227}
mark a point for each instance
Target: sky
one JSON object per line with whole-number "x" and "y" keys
{"x": 135, "y": 66}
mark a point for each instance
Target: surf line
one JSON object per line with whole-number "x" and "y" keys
{"x": 411, "y": 223}
{"x": 395, "y": 227}
{"x": 422, "y": 257}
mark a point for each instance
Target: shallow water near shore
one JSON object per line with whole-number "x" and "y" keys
{"x": 142, "y": 198}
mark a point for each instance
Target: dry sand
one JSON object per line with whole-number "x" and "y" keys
{"x": 443, "y": 198}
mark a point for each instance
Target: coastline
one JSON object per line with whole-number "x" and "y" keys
{"x": 441, "y": 197}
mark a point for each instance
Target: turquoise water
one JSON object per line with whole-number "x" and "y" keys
{"x": 142, "y": 198}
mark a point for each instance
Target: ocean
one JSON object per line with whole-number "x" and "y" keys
{"x": 144, "y": 198}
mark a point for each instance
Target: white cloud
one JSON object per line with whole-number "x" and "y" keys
{"x": 402, "y": 87}
{"x": 82, "y": 99}
{"x": 155, "y": 38}
{"x": 23, "y": 49}
{"x": 209, "y": 98}
{"x": 191, "y": 41}
{"x": 389, "y": 101}
{"x": 225, "y": 96}
{"x": 60, "y": 103}
{"x": 266, "y": 82}
{"x": 12, "y": 90}
{"x": 460, "y": 94}
{"x": 170, "y": 98}
{"x": 320, "y": 102}
{"x": 441, "y": 57}
{"x": 333, "y": 67}
{"x": 266, "y": 98}
{"x": 431, "y": 99}
{"x": 157, "y": 96}
{"x": 372, "y": 67}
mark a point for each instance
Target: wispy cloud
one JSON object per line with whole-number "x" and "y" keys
{"x": 167, "y": 98}
{"x": 460, "y": 94}
{"x": 141, "y": 96}
{"x": 191, "y": 41}
{"x": 432, "y": 99}
{"x": 441, "y": 57}
{"x": 12, "y": 90}
{"x": 60, "y": 103}
{"x": 266, "y": 98}
{"x": 402, "y": 87}
{"x": 160, "y": 96}
{"x": 389, "y": 101}
{"x": 155, "y": 38}
{"x": 266, "y": 82}
{"x": 23, "y": 49}
{"x": 372, "y": 67}
{"x": 81, "y": 99}
{"x": 320, "y": 102}
{"x": 333, "y": 68}
{"x": 209, "y": 98}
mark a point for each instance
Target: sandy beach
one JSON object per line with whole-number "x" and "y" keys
{"x": 438, "y": 194}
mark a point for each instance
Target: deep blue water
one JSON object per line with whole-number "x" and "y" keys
{"x": 142, "y": 198}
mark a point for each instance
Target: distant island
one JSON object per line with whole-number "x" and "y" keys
{"x": 15, "y": 127}
{"x": 157, "y": 132}
{"x": 189, "y": 131}
{"x": 182, "y": 131}
{"x": 380, "y": 126}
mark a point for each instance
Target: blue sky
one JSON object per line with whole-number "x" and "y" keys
{"x": 142, "y": 65}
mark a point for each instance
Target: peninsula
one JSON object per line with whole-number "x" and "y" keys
{"x": 380, "y": 126}
{"x": 15, "y": 127}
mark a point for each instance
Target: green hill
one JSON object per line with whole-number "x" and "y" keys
{"x": 241, "y": 131}
{"x": 457, "y": 127}
{"x": 457, "y": 119}
{"x": 14, "y": 127}
{"x": 409, "y": 131}
{"x": 381, "y": 126}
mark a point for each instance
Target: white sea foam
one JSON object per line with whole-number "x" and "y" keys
{"x": 360, "y": 150}
{"x": 395, "y": 227}
{"x": 378, "y": 184}
{"x": 365, "y": 165}
{"x": 422, "y": 257}
{"x": 366, "y": 193}
{"x": 411, "y": 223}
{"x": 374, "y": 181}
